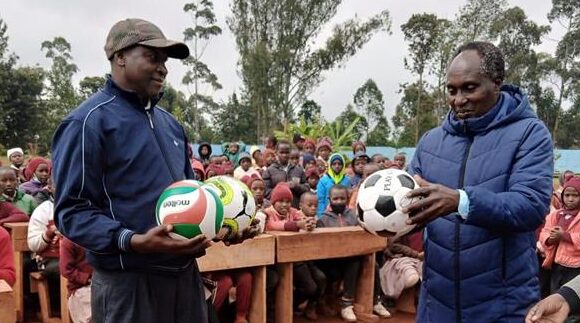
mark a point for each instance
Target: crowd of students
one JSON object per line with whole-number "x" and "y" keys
{"x": 297, "y": 186}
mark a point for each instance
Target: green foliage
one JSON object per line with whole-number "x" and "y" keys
{"x": 405, "y": 118}
{"x": 381, "y": 134}
{"x": 61, "y": 96}
{"x": 309, "y": 111}
{"x": 90, "y": 85}
{"x": 369, "y": 102}
{"x": 234, "y": 121}
{"x": 348, "y": 116}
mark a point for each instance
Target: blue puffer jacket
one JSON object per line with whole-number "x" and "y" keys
{"x": 484, "y": 268}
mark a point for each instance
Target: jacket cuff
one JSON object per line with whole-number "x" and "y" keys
{"x": 463, "y": 207}
{"x": 571, "y": 298}
{"x": 124, "y": 239}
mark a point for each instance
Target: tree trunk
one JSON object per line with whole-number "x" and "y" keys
{"x": 418, "y": 108}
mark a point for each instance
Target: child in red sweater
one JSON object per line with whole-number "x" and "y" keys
{"x": 75, "y": 268}
{"x": 7, "y": 272}
{"x": 560, "y": 237}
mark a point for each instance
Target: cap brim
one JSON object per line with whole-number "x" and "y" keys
{"x": 173, "y": 48}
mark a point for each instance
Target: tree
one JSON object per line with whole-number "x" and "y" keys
{"x": 279, "y": 64}
{"x": 563, "y": 70}
{"x": 20, "y": 90}
{"x": 369, "y": 102}
{"x": 309, "y": 110}
{"x": 517, "y": 35}
{"x": 423, "y": 32}
{"x": 404, "y": 120}
{"x": 348, "y": 116}
{"x": 199, "y": 74}
{"x": 90, "y": 85}
{"x": 234, "y": 121}
{"x": 381, "y": 133}
{"x": 476, "y": 18}
{"x": 60, "y": 94}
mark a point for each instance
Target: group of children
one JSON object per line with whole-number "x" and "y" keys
{"x": 300, "y": 186}
{"x": 297, "y": 186}
{"x": 27, "y": 196}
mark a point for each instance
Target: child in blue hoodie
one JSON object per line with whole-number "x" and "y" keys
{"x": 336, "y": 175}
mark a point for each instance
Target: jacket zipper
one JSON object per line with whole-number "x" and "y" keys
{"x": 159, "y": 145}
{"x": 458, "y": 232}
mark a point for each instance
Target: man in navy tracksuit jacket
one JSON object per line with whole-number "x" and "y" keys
{"x": 491, "y": 165}
{"x": 113, "y": 156}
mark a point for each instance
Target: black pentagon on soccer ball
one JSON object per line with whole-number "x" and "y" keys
{"x": 406, "y": 181}
{"x": 360, "y": 212}
{"x": 371, "y": 181}
{"x": 385, "y": 205}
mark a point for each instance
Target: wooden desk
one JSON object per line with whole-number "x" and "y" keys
{"x": 255, "y": 253}
{"x": 7, "y": 306}
{"x": 326, "y": 243}
{"x": 18, "y": 233}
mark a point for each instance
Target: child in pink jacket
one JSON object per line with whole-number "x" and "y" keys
{"x": 560, "y": 237}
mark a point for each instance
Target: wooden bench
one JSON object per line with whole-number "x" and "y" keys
{"x": 255, "y": 253}
{"x": 7, "y": 303}
{"x": 39, "y": 284}
{"x": 327, "y": 243}
{"x": 18, "y": 233}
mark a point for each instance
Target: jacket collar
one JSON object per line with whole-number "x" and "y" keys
{"x": 112, "y": 88}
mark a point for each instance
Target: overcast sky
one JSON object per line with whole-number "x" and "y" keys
{"x": 85, "y": 25}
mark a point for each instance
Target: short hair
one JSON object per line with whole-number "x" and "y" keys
{"x": 492, "y": 61}
{"x": 338, "y": 187}
{"x": 6, "y": 169}
{"x": 306, "y": 194}
{"x": 283, "y": 142}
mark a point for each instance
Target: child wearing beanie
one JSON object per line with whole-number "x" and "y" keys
{"x": 281, "y": 216}
{"x": 16, "y": 158}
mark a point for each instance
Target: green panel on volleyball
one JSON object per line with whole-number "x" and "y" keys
{"x": 187, "y": 230}
{"x": 168, "y": 193}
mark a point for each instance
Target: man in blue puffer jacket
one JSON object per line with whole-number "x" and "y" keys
{"x": 491, "y": 165}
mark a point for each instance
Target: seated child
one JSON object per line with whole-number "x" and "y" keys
{"x": 214, "y": 170}
{"x": 281, "y": 216}
{"x": 7, "y": 272}
{"x": 379, "y": 159}
{"x": 37, "y": 174}
{"x": 245, "y": 167}
{"x": 308, "y": 162}
{"x": 336, "y": 175}
{"x": 76, "y": 269}
{"x": 16, "y": 158}
{"x": 44, "y": 242}
{"x": 10, "y": 192}
{"x": 241, "y": 279}
{"x": 359, "y": 161}
{"x": 368, "y": 170}
{"x": 345, "y": 269}
{"x": 560, "y": 237}
{"x": 403, "y": 265}
{"x": 269, "y": 158}
{"x": 309, "y": 147}
{"x": 312, "y": 179}
{"x": 233, "y": 150}
{"x": 321, "y": 166}
{"x": 294, "y": 157}
{"x": 204, "y": 150}
{"x": 198, "y": 169}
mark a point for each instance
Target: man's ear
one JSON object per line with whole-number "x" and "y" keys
{"x": 120, "y": 58}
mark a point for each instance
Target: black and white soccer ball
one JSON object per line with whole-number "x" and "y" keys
{"x": 380, "y": 201}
